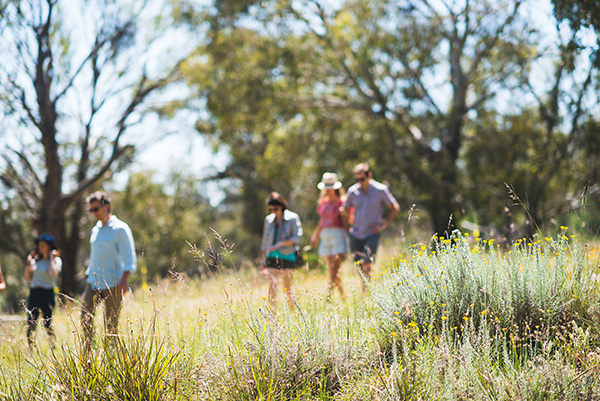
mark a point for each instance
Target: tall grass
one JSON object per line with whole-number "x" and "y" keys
{"x": 453, "y": 319}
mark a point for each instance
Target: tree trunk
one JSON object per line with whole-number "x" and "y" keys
{"x": 441, "y": 209}
{"x": 71, "y": 250}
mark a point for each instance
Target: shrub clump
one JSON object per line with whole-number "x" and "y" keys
{"x": 529, "y": 293}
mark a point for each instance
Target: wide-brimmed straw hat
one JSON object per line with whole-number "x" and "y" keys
{"x": 329, "y": 181}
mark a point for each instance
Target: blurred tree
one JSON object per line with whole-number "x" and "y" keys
{"x": 548, "y": 163}
{"x": 72, "y": 83}
{"x": 582, "y": 16}
{"x": 579, "y": 13}
{"x": 392, "y": 81}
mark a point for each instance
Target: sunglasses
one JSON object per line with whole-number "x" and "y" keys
{"x": 94, "y": 209}
{"x": 361, "y": 179}
{"x": 272, "y": 209}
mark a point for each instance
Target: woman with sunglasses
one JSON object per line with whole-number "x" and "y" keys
{"x": 41, "y": 270}
{"x": 280, "y": 244}
{"x": 331, "y": 233}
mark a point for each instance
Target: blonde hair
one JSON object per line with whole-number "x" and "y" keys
{"x": 338, "y": 192}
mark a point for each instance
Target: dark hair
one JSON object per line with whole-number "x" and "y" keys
{"x": 99, "y": 197}
{"x": 276, "y": 199}
{"x": 48, "y": 239}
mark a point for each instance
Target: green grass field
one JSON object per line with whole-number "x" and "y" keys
{"x": 455, "y": 319}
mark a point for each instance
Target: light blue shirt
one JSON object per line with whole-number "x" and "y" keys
{"x": 41, "y": 278}
{"x": 112, "y": 253}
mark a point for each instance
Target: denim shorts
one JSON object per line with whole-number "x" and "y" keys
{"x": 364, "y": 249}
{"x": 333, "y": 241}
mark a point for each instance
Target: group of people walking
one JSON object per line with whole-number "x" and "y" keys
{"x": 351, "y": 222}
{"x": 112, "y": 260}
{"x": 348, "y": 222}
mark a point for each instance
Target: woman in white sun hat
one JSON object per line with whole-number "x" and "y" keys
{"x": 331, "y": 233}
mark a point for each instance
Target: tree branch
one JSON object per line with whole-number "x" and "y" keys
{"x": 141, "y": 93}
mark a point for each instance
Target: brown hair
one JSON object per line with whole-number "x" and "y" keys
{"x": 361, "y": 168}
{"x": 276, "y": 199}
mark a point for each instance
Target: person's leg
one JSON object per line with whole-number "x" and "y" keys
{"x": 47, "y": 310}
{"x": 361, "y": 259}
{"x": 370, "y": 246}
{"x": 287, "y": 275}
{"x": 33, "y": 311}
{"x": 333, "y": 266}
{"x": 339, "y": 248}
{"x": 273, "y": 276}
{"x": 112, "y": 308}
{"x": 88, "y": 309}
{"x": 357, "y": 247}
{"x": 335, "y": 280}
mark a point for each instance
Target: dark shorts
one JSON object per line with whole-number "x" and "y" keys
{"x": 276, "y": 263}
{"x": 40, "y": 300}
{"x": 364, "y": 249}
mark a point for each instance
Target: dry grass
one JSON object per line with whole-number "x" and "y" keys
{"x": 184, "y": 339}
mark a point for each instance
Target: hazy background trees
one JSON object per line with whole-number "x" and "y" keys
{"x": 74, "y": 79}
{"x": 447, "y": 101}
{"x": 454, "y": 105}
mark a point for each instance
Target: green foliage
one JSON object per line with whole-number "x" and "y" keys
{"x": 164, "y": 219}
{"x": 579, "y": 13}
{"x": 126, "y": 367}
{"x": 16, "y": 242}
{"x": 529, "y": 294}
{"x": 417, "y": 90}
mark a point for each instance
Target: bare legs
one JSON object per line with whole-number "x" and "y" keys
{"x": 274, "y": 276}
{"x": 334, "y": 262}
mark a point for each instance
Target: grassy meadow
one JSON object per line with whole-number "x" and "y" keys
{"x": 446, "y": 319}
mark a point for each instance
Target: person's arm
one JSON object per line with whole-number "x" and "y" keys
{"x": 53, "y": 267}
{"x": 345, "y": 207}
{"x": 2, "y": 283}
{"x": 29, "y": 267}
{"x": 314, "y": 240}
{"x": 393, "y": 209}
{"x": 123, "y": 285}
{"x": 263, "y": 246}
{"x": 263, "y": 261}
{"x": 344, "y": 214}
{"x": 127, "y": 257}
{"x": 295, "y": 237}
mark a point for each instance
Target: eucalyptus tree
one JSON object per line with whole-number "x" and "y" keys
{"x": 549, "y": 136}
{"x": 75, "y": 77}
{"x": 391, "y": 82}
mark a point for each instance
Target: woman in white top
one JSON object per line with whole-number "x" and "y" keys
{"x": 41, "y": 270}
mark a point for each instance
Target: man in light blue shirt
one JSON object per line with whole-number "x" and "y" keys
{"x": 112, "y": 260}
